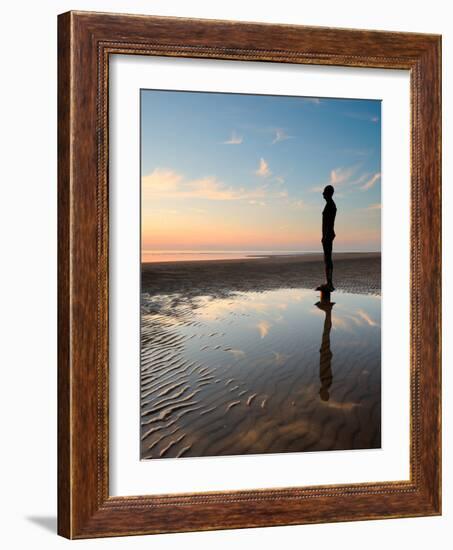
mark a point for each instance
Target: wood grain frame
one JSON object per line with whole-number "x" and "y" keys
{"x": 85, "y": 42}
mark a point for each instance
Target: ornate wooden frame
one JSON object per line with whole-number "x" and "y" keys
{"x": 85, "y": 42}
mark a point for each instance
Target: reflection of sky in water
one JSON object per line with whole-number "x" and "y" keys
{"x": 278, "y": 363}
{"x": 271, "y": 324}
{"x": 282, "y": 324}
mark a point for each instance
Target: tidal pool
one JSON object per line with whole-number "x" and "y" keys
{"x": 259, "y": 372}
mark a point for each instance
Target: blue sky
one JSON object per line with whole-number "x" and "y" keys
{"x": 245, "y": 172}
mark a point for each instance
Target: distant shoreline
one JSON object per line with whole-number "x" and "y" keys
{"x": 299, "y": 256}
{"x": 248, "y": 255}
{"x": 356, "y": 272}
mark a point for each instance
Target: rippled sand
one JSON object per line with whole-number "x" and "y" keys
{"x": 248, "y": 372}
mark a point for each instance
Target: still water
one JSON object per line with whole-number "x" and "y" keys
{"x": 260, "y": 372}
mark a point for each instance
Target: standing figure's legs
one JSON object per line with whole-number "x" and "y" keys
{"x": 327, "y": 247}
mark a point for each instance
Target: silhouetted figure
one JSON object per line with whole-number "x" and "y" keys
{"x": 325, "y": 355}
{"x": 328, "y": 235}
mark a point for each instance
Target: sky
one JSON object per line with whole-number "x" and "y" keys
{"x": 239, "y": 172}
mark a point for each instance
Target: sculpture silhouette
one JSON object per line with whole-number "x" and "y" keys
{"x": 325, "y": 354}
{"x": 328, "y": 235}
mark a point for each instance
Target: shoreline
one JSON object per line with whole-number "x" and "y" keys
{"x": 354, "y": 272}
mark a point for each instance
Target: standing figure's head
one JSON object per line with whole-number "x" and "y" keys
{"x": 328, "y": 192}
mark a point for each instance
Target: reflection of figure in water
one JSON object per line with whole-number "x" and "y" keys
{"x": 325, "y": 358}
{"x": 328, "y": 235}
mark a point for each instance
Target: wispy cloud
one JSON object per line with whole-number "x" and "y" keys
{"x": 371, "y": 182}
{"x": 366, "y": 117}
{"x": 358, "y": 152}
{"x": 375, "y": 206}
{"x": 314, "y": 100}
{"x": 234, "y": 139}
{"x": 280, "y": 180}
{"x": 337, "y": 178}
{"x": 348, "y": 179}
{"x": 263, "y": 169}
{"x": 280, "y": 135}
{"x": 298, "y": 204}
{"x": 317, "y": 188}
{"x": 168, "y": 184}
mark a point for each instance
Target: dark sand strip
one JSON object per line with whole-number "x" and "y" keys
{"x": 355, "y": 272}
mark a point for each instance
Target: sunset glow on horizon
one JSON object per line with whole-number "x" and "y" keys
{"x": 235, "y": 172}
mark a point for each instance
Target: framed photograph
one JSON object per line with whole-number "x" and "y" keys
{"x": 249, "y": 275}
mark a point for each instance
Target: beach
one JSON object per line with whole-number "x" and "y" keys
{"x": 241, "y": 357}
{"x": 355, "y": 272}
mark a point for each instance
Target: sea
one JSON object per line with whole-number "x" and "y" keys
{"x": 152, "y": 256}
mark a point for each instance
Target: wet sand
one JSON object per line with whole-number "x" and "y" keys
{"x": 238, "y": 357}
{"x": 354, "y": 272}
